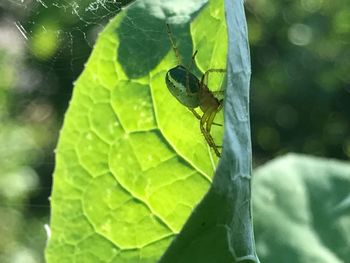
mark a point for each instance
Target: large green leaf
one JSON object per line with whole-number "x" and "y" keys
{"x": 302, "y": 210}
{"x": 131, "y": 162}
{"x": 220, "y": 229}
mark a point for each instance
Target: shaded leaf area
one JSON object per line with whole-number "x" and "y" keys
{"x": 302, "y": 210}
{"x": 131, "y": 162}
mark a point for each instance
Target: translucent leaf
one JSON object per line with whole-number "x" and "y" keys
{"x": 131, "y": 162}
{"x": 220, "y": 228}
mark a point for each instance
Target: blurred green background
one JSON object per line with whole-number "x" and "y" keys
{"x": 299, "y": 100}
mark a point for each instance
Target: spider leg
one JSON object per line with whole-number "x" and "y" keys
{"x": 209, "y": 122}
{"x": 195, "y": 113}
{"x": 192, "y": 61}
{"x": 207, "y": 116}
{"x": 188, "y": 69}
{"x": 176, "y": 50}
{"x": 204, "y": 79}
{"x": 199, "y": 116}
{"x": 208, "y": 128}
{"x": 203, "y": 121}
{"x": 217, "y": 124}
{"x": 218, "y": 92}
{"x": 221, "y": 104}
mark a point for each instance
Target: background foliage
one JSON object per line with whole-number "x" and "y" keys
{"x": 300, "y": 95}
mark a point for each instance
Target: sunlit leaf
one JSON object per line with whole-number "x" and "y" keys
{"x": 131, "y": 162}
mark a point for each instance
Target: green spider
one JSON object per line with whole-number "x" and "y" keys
{"x": 192, "y": 93}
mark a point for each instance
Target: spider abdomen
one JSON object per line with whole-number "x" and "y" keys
{"x": 184, "y": 86}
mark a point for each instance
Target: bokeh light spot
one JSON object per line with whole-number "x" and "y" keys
{"x": 300, "y": 34}
{"x": 44, "y": 43}
{"x": 311, "y": 5}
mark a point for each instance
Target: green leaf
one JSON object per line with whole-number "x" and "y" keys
{"x": 131, "y": 162}
{"x": 220, "y": 229}
{"x": 302, "y": 210}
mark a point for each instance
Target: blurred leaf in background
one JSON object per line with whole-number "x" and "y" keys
{"x": 302, "y": 210}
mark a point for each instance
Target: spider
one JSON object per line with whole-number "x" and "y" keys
{"x": 192, "y": 93}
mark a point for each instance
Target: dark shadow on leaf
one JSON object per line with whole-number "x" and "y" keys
{"x": 144, "y": 42}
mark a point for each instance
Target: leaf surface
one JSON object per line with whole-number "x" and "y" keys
{"x": 302, "y": 210}
{"x": 131, "y": 162}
